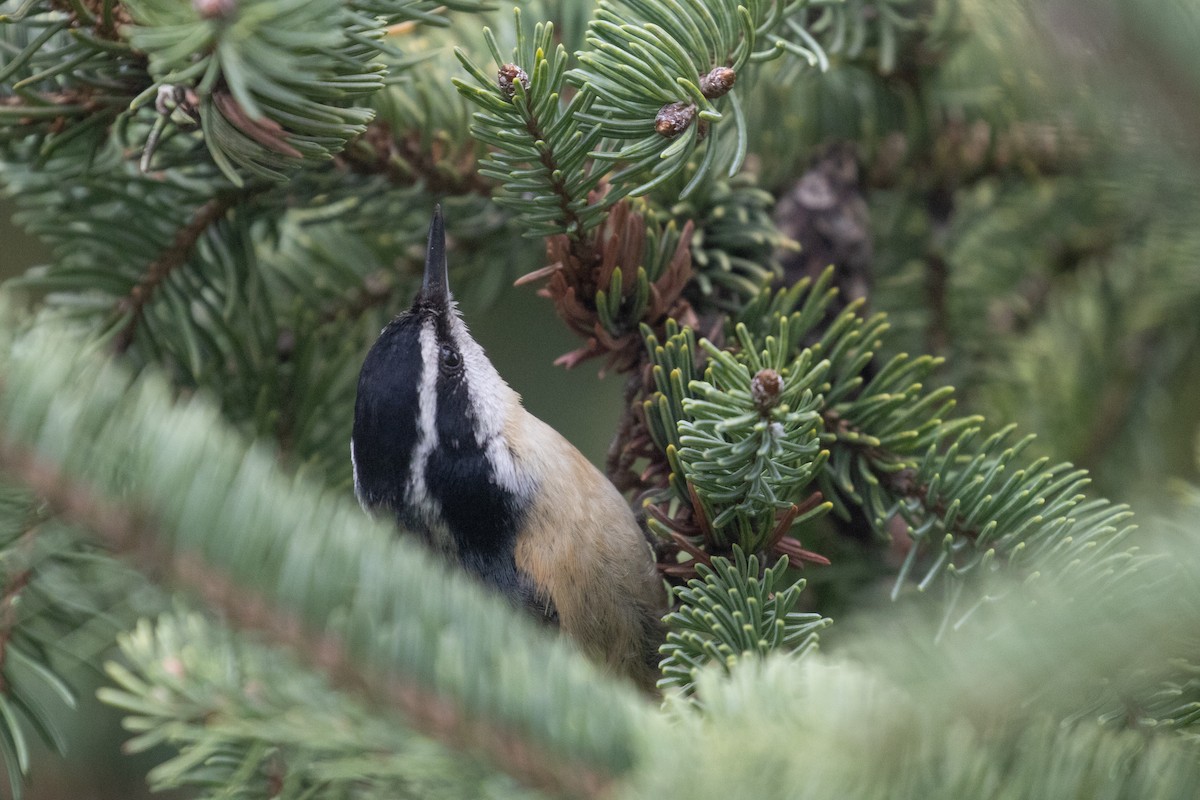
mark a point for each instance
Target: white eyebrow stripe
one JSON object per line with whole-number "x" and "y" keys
{"x": 492, "y": 402}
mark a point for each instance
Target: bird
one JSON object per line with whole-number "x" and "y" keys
{"x": 443, "y": 444}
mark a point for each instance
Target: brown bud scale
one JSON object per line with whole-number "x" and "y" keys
{"x": 765, "y": 388}
{"x": 717, "y": 82}
{"x": 673, "y": 119}
{"x": 507, "y": 78}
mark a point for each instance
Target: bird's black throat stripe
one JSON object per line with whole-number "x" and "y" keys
{"x": 482, "y": 514}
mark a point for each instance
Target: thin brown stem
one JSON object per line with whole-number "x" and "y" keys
{"x": 619, "y": 461}
{"x": 174, "y": 256}
{"x": 581, "y": 249}
{"x": 901, "y": 482}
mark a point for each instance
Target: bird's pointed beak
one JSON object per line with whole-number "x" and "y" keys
{"x": 435, "y": 288}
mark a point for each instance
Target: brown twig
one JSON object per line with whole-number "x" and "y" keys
{"x": 174, "y": 256}
{"x": 784, "y": 523}
{"x": 905, "y": 485}
{"x": 131, "y": 534}
{"x": 901, "y": 482}
{"x": 619, "y": 460}
{"x": 580, "y": 249}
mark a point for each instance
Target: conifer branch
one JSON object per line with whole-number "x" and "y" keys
{"x": 422, "y": 709}
{"x": 633, "y": 274}
{"x": 174, "y": 256}
{"x": 566, "y": 203}
{"x": 733, "y": 611}
{"x": 540, "y": 155}
{"x": 132, "y": 535}
{"x": 889, "y": 445}
{"x": 120, "y": 529}
{"x": 61, "y": 607}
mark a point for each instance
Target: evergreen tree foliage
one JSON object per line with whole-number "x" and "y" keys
{"x": 731, "y": 614}
{"x": 803, "y": 233}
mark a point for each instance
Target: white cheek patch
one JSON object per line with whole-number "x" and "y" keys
{"x": 493, "y": 401}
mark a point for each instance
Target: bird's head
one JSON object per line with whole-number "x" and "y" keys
{"x": 431, "y": 411}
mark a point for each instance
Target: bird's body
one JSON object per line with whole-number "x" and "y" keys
{"x": 443, "y": 443}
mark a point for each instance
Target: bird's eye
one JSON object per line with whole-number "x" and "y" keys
{"x": 451, "y": 359}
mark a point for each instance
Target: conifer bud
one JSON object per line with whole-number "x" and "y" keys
{"x": 673, "y": 119}
{"x": 214, "y": 9}
{"x": 508, "y": 76}
{"x": 717, "y": 82}
{"x": 765, "y": 388}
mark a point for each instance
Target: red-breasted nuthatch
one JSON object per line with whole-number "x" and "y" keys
{"x": 443, "y": 443}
